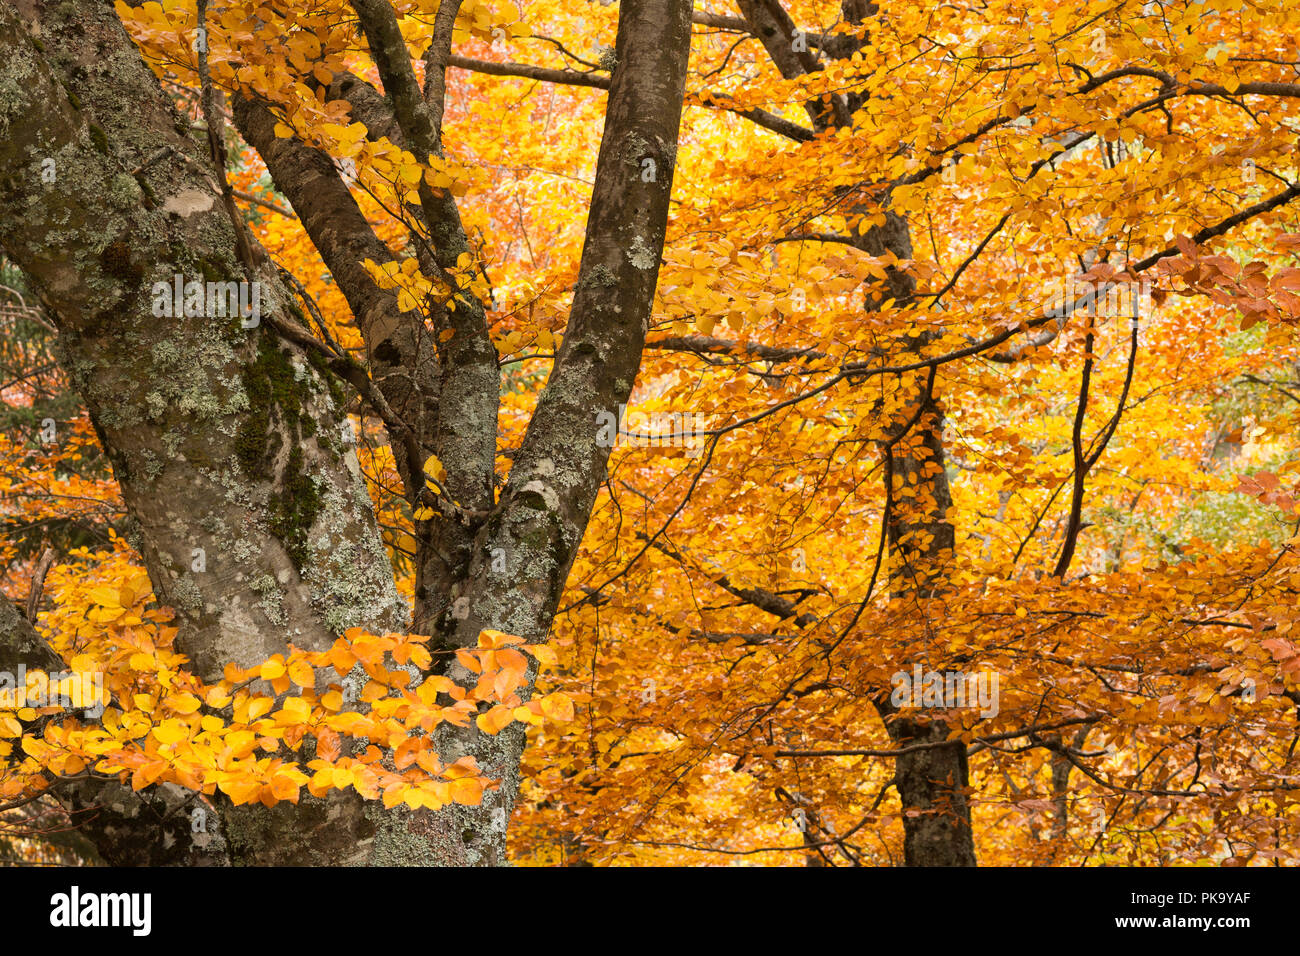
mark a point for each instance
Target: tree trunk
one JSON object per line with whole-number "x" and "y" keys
{"x": 931, "y": 782}
{"x": 932, "y": 786}
{"x": 228, "y": 439}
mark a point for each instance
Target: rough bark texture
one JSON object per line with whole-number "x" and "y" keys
{"x": 538, "y": 523}
{"x": 229, "y": 439}
{"x": 932, "y": 785}
{"x": 400, "y": 356}
{"x": 464, "y": 435}
{"x": 222, "y": 438}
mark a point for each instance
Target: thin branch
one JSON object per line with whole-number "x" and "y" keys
{"x": 435, "y": 62}
{"x": 525, "y": 71}
{"x": 38, "y": 584}
{"x": 266, "y": 203}
{"x": 931, "y": 745}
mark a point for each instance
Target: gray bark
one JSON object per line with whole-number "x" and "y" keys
{"x": 228, "y": 439}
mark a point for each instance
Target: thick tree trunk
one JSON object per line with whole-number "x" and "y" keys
{"x": 228, "y": 440}
{"x": 932, "y": 782}
{"x": 246, "y": 499}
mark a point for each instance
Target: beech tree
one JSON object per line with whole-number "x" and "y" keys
{"x": 896, "y": 467}
{"x": 243, "y": 486}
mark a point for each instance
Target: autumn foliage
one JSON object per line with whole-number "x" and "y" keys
{"x": 992, "y": 311}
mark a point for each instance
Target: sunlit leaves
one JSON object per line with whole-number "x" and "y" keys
{"x": 163, "y": 725}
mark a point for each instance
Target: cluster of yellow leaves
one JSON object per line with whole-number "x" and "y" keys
{"x": 516, "y": 340}
{"x": 404, "y": 276}
{"x": 37, "y": 485}
{"x": 244, "y": 734}
{"x": 413, "y": 287}
{"x": 477, "y": 18}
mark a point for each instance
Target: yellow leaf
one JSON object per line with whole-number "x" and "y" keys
{"x": 282, "y": 788}
{"x": 492, "y": 638}
{"x": 297, "y": 708}
{"x": 186, "y": 704}
{"x": 241, "y": 742}
{"x": 216, "y": 697}
{"x": 171, "y": 731}
{"x": 106, "y": 597}
{"x": 271, "y": 670}
{"x": 545, "y": 655}
{"x": 494, "y": 720}
{"x": 467, "y": 790}
{"x": 342, "y": 777}
{"x": 301, "y": 673}
{"x": 241, "y": 791}
{"x": 557, "y": 707}
{"x": 438, "y": 180}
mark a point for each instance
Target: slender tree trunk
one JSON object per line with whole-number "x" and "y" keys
{"x": 931, "y": 782}
{"x": 535, "y": 530}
